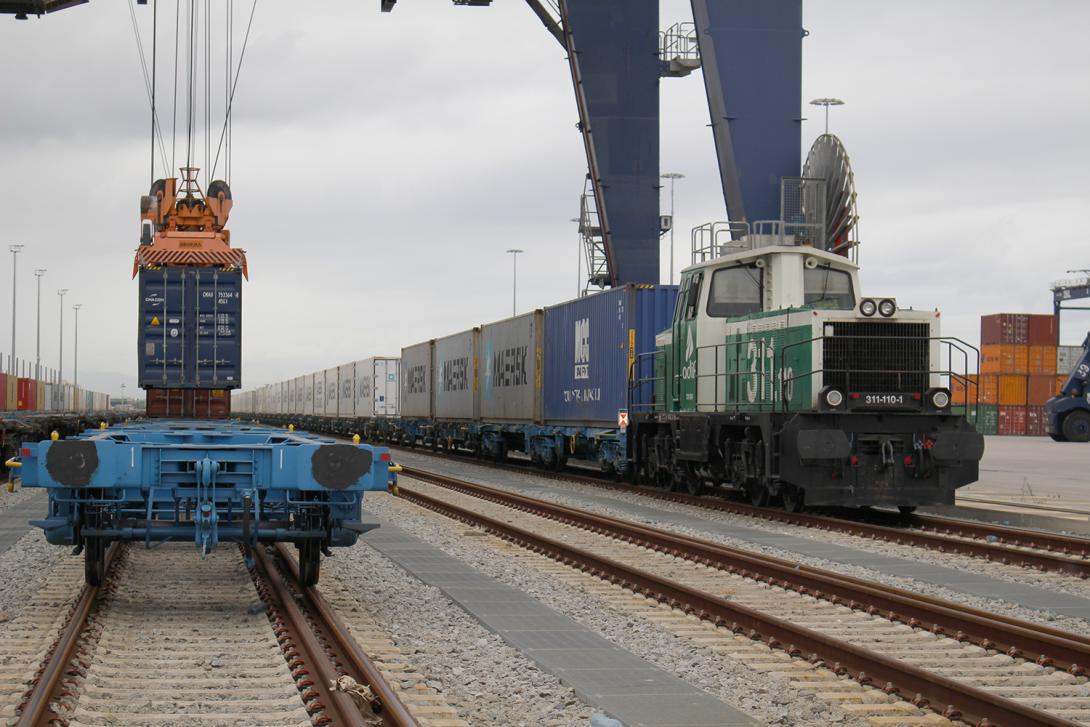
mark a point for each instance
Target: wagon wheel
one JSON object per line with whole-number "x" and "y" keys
{"x": 309, "y": 562}
{"x": 94, "y": 561}
{"x": 792, "y": 498}
{"x": 758, "y": 494}
{"x": 693, "y": 484}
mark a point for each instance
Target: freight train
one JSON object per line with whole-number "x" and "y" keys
{"x": 185, "y": 472}
{"x": 766, "y": 373}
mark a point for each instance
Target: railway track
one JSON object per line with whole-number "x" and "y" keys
{"x": 965, "y": 664}
{"x": 169, "y": 635}
{"x": 1035, "y": 549}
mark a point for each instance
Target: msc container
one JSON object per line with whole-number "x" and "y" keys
{"x": 1012, "y": 420}
{"x": 417, "y": 363}
{"x": 589, "y": 351}
{"x": 1041, "y": 359}
{"x": 346, "y": 390}
{"x": 1012, "y": 390}
{"x": 455, "y": 375}
{"x": 1066, "y": 358}
{"x": 1043, "y": 330}
{"x": 26, "y": 394}
{"x": 1003, "y": 358}
{"x": 378, "y": 386}
{"x": 1004, "y": 328}
{"x": 988, "y": 419}
{"x": 190, "y": 328}
{"x": 1036, "y": 421}
{"x": 509, "y": 378}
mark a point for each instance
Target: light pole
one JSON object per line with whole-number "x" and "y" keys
{"x": 672, "y": 176}
{"x": 60, "y": 356}
{"x": 826, "y": 102}
{"x": 14, "y": 251}
{"x": 75, "y": 351}
{"x": 514, "y": 276}
{"x": 38, "y": 341}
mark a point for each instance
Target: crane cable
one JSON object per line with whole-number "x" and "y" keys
{"x": 192, "y": 82}
{"x": 147, "y": 87}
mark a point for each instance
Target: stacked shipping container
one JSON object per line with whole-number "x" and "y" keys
{"x": 23, "y": 393}
{"x": 1019, "y": 359}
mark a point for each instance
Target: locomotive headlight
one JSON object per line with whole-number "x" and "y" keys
{"x": 940, "y": 398}
{"x": 834, "y": 398}
{"x": 887, "y": 308}
{"x": 868, "y": 307}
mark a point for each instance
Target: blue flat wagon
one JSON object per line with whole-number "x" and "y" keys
{"x": 207, "y": 482}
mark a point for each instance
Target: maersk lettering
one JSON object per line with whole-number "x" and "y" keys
{"x": 509, "y": 367}
{"x": 454, "y": 374}
{"x": 416, "y": 381}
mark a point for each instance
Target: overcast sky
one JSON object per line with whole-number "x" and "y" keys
{"x": 383, "y": 163}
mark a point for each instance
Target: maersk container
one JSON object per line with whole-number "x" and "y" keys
{"x": 346, "y": 391}
{"x": 190, "y": 328}
{"x": 416, "y": 381}
{"x": 454, "y": 380}
{"x": 591, "y": 345}
{"x": 332, "y": 390}
{"x": 306, "y": 394}
{"x": 378, "y": 386}
{"x": 509, "y": 370}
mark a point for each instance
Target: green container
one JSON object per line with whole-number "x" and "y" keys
{"x": 989, "y": 419}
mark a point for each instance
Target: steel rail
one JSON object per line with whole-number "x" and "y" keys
{"x": 337, "y": 706}
{"x": 926, "y": 531}
{"x": 390, "y": 707}
{"x": 946, "y": 696}
{"x": 36, "y": 710}
{"x": 1017, "y": 638}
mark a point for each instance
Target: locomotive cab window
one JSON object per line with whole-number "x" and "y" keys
{"x": 692, "y": 297}
{"x": 828, "y": 289}
{"x": 735, "y": 291}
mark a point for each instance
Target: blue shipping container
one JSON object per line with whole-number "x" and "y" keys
{"x": 190, "y": 328}
{"x": 590, "y": 346}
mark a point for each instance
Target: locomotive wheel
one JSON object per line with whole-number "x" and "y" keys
{"x": 1077, "y": 426}
{"x": 792, "y": 498}
{"x": 94, "y": 561}
{"x": 309, "y": 562}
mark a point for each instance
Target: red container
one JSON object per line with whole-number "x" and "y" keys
{"x": 27, "y": 394}
{"x": 1043, "y": 330}
{"x": 1004, "y": 328}
{"x": 188, "y": 404}
{"x": 1040, "y": 389}
{"x": 1012, "y": 420}
{"x": 1036, "y": 421}
{"x": 3, "y": 392}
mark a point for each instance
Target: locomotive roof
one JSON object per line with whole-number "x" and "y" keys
{"x": 753, "y": 253}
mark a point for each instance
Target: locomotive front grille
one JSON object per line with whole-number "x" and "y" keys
{"x": 877, "y": 356}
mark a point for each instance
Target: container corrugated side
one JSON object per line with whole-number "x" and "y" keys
{"x": 1012, "y": 420}
{"x": 509, "y": 380}
{"x": 1004, "y": 328}
{"x": 988, "y": 419}
{"x": 377, "y": 386}
{"x": 3, "y": 391}
{"x": 416, "y": 381}
{"x": 346, "y": 390}
{"x": 590, "y": 346}
{"x": 331, "y": 390}
{"x": 1042, "y": 330}
{"x": 1066, "y": 358}
{"x": 454, "y": 380}
{"x": 307, "y": 406}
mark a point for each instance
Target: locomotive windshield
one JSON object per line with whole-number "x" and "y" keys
{"x": 828, "y": 289}
{"x": 735, "y": 291}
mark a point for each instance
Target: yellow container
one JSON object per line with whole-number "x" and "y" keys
{"x": 1012, "y": 390}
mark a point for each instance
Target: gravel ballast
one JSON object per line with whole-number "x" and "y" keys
{"x": 554, "y": 491}
{"x": 771, "y": 700}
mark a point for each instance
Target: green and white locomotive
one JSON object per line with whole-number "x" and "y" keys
{"x": 778, "y": 378}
